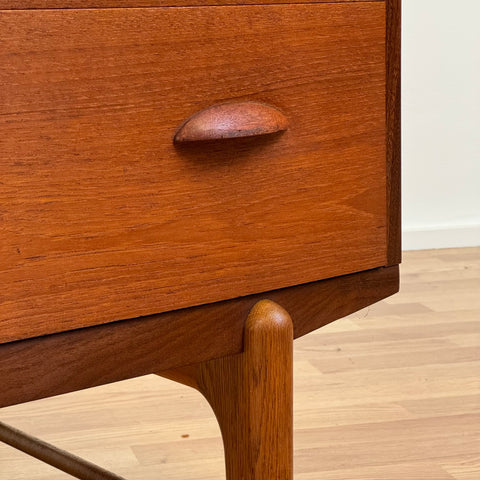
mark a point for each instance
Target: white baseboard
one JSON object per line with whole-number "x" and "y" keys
{"x": 441, "y": 237}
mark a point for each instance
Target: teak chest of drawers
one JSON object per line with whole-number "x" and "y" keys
{"x": 167, "y": 167}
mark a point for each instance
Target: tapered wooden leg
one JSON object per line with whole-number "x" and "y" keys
{"x": 252, "y": 396}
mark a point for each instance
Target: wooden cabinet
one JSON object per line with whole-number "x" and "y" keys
{"x": 105, "y": 218}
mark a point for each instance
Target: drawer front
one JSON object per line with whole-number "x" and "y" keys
{"x": 104, "y": 218}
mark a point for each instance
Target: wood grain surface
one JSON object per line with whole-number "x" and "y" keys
{"x": 231, "y": 120}
{"x": 103, "y": 218}
{"x": 43, "y": 4}
{"x": 68, "y": 361}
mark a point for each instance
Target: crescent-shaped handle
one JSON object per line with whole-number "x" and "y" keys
{"x": 231, "y": 120}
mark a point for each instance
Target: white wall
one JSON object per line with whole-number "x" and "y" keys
{"x": 441, "y": 123}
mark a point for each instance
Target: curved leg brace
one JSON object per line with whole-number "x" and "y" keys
{"x": 252, "y": 396}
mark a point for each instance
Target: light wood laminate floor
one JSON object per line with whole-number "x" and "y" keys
{"x": 389, "y": 393}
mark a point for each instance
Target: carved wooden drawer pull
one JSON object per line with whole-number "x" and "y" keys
{"x": 231, "y": 120}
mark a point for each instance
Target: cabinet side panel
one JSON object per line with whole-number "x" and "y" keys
{"x": 393, "y": 121}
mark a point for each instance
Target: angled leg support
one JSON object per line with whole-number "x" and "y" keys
{"x": 252, "y": 396}
{"x": 75, "y": 466}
